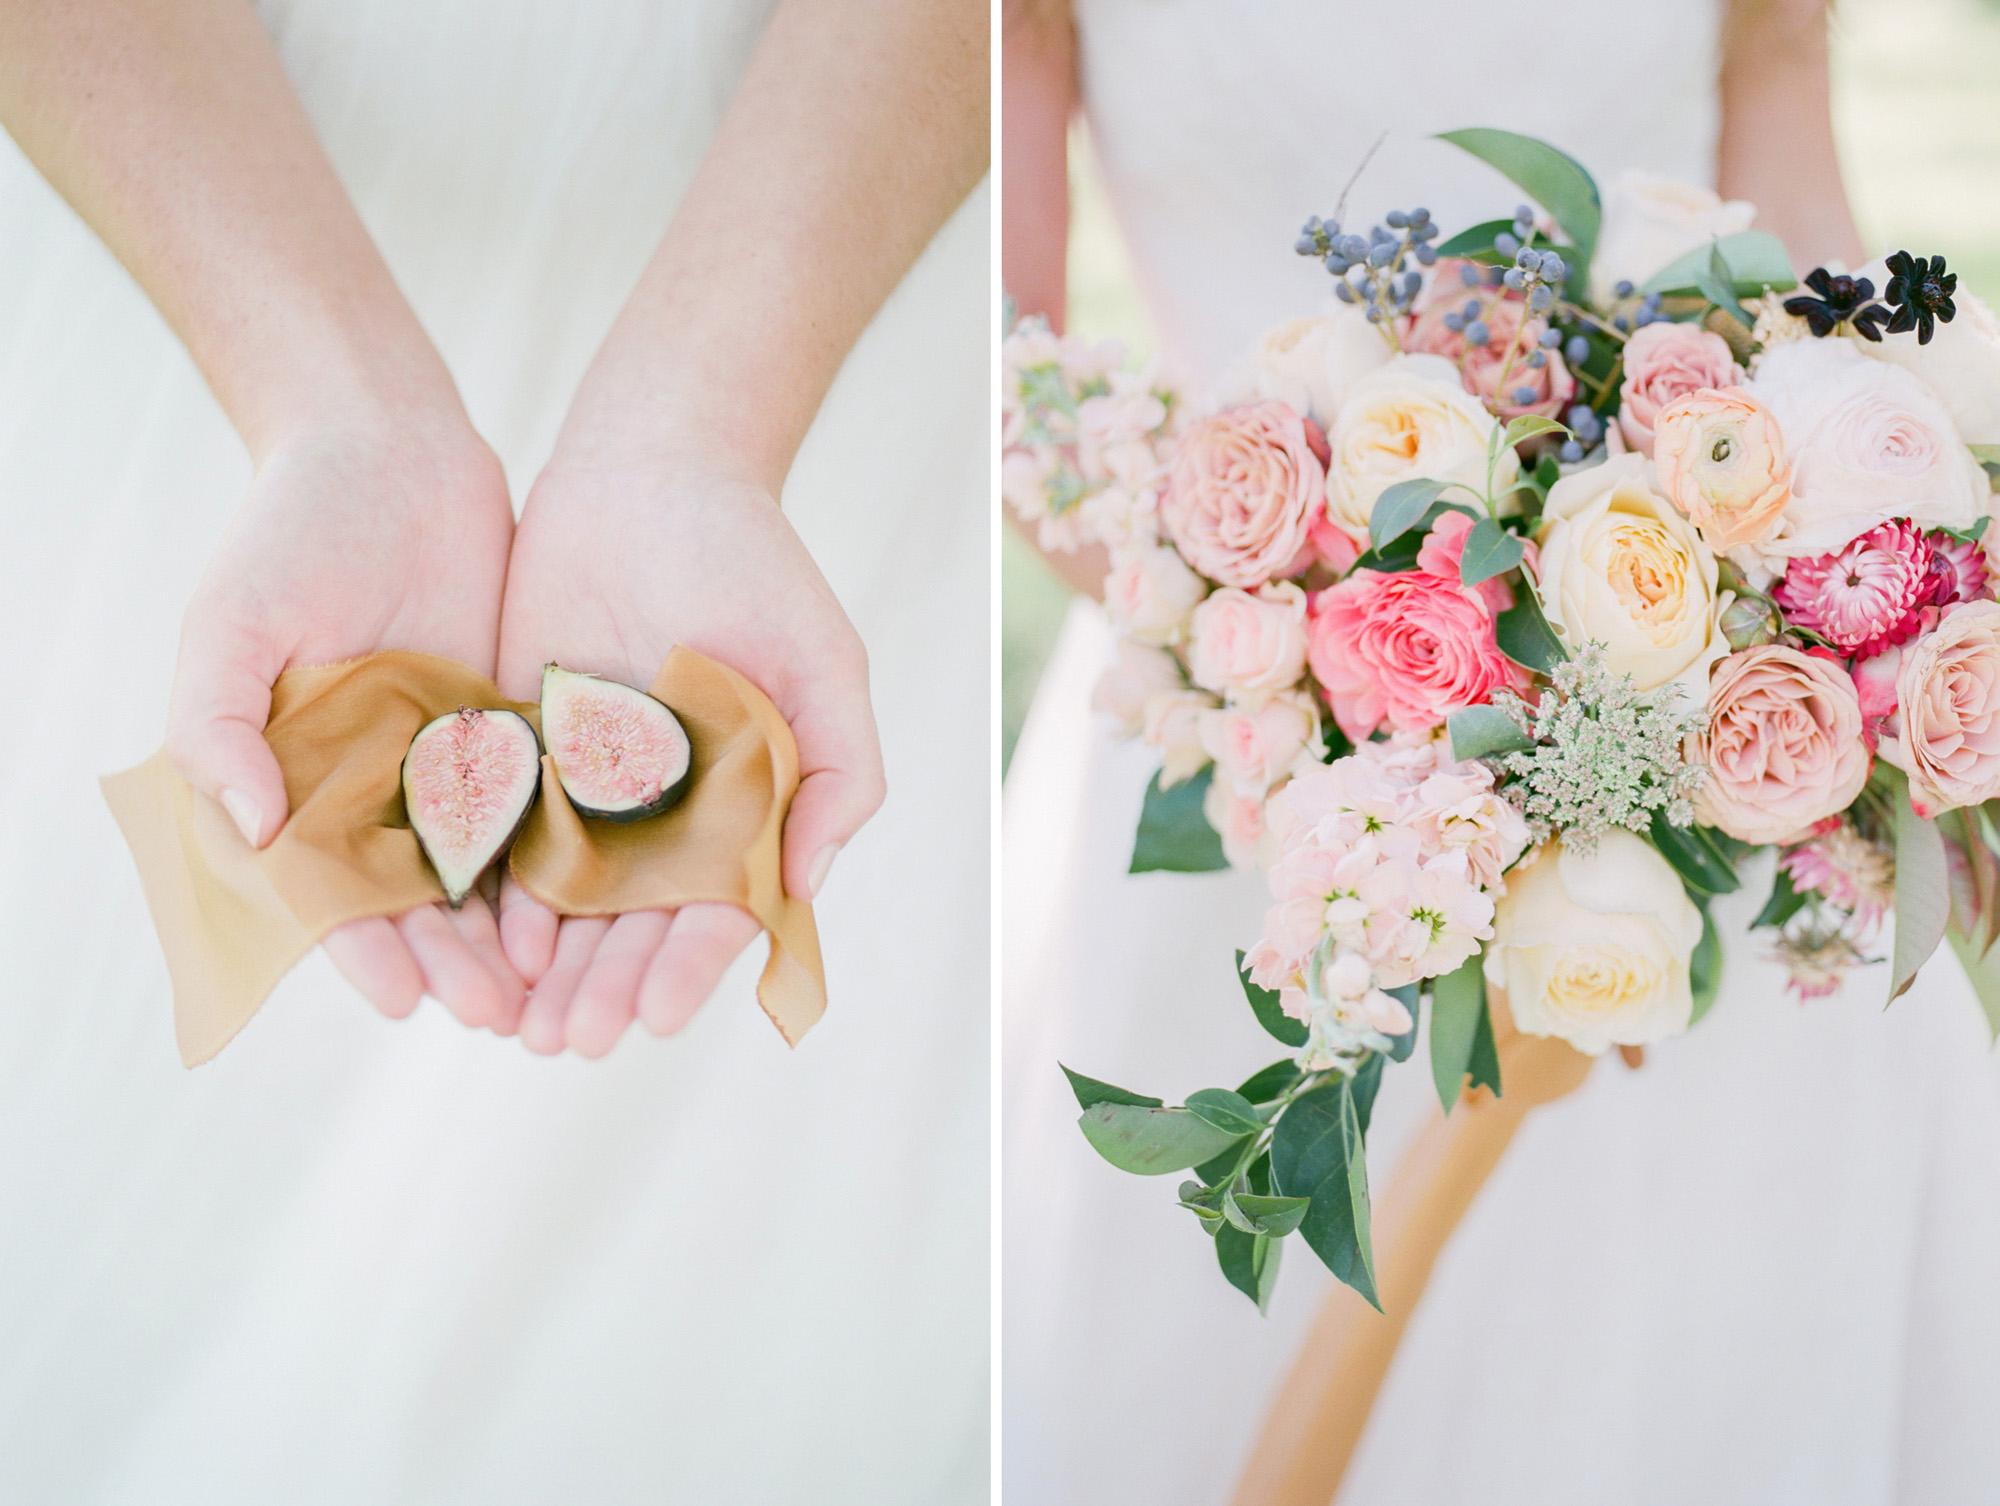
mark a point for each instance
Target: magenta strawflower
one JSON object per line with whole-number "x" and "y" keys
{"x": 1960, "y": 568}
{"x": 1867, "y": 596}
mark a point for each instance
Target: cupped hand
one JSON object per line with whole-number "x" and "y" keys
{"x": 618, "y": 558}
{"x": 361, "y": 534}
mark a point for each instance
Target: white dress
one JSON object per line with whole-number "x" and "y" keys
{"x": 1760, "y": 1270}
{"x": 353, "y": 1262}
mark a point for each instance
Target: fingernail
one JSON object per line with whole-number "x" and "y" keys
{"x": 243, "y": 811}
{"x": 821, "y": 864}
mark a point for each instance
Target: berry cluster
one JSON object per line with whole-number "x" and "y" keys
{"x": 1374, "y": 270}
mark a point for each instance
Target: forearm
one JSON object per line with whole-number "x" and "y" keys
{"x": 1037, "y": 98}
{"x": 854, "y": 134}
{"x": 1776, "y": 147}
{"x": 171, "y": 128}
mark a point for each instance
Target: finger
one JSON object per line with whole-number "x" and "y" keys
{"x": 478, "y": 929}
{"x": 544, "y": 1020}
{"x": 372, "y": 955}
{"x": 840, "y": 759}
{"x": 453, "y": 972}
{"x": 702, "y": 942}
{"x": 608, "y": 996}
{"x": 215, "y": 723}
{"x": 527, "y": 931}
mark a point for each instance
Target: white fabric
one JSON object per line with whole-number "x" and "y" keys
{"x": 352, "y": 1261}
{"x": 1756, "y": 1272}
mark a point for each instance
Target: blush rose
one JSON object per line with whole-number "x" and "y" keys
{"x": 1783, "y": 744}
{"x": 1665, "y": 361}
{"x": 1245, "y": 488}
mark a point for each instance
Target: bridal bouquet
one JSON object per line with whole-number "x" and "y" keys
{"x": 1499, "y": 610}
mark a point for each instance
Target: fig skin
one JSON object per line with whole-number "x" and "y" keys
{"x": 456, "y": 897}
{"x": 555, "y": 677}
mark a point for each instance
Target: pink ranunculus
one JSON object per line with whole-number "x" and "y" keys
{"x": 1245, "y": 488}
{"x": 1783, "y": 743}
{"x": 1721, "y": 457}
{"x": 1253, "y": 750}
{"x": 1410, "y": 647}
{"x": 1949, "y": 688}
{"x": 1665, "y": 361}
{"x": 1247, "y": 646}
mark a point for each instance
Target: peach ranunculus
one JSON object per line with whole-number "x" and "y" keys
{"x": 1948, "y": 689}
{"x": 1721, "y": 458}
{"x": 1547, "y": 388}
{"x": 1618, "y": 566}
{"x": 1410, "y": 647}
{"x": 1249, "y": 647}
{"x": 1783, "y": 744}
{"x": 1150, "y": 593}
{"x": 1245, "y": 487}
{"x": 1665, "y": 361}
{"x": 1254, "y": 750}
{"x": 1411, "y": 420}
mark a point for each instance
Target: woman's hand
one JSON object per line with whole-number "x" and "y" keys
{"x": 370, "y": 531}
{"x": 619, "y": 557}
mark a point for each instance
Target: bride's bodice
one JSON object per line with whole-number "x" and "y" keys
{"x": 1219, "y": 128}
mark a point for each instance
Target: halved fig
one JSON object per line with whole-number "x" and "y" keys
{"x": 621, "y": 755}
{"x": 468, "y": 781}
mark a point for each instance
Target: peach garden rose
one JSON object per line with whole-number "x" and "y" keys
{"x": 1665, "y": 361}
{"x": 1783, "y": 744}
{"x": 1948, "y": 690}
{"x": 1247, "y": 646}
{"x": 1245, "y": 487}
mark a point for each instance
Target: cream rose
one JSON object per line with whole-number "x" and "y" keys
{"x": 1150, "y": 593}
{"x": 1248, "y": 647}
{"x": 1309, "y": 364}
{"x": 1961, "y": 364}
{"x": 1619, "y": 566}
{"x": 1413, "y": 418}
{"x": 1782, "y": 744}
{"x": 1595, "y": 948}
{"x": 1948, "y": 687}
{"x": 1649, "y": 220}
{"x": 1868, "y": 441}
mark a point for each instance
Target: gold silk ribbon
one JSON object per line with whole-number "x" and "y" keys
{"x": 233, "y": 921}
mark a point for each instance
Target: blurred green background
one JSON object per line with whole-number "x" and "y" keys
{"x": 1917, "y": 114}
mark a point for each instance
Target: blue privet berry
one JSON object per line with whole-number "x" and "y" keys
{"x": 1553, "y": 269}
{"x": 1621, "y": 324}
{"x": 1382, "y": 253}
{"x": 1476, "y": 332}
{"x": 1622, "y": 288}
{"x": 1528, "y": 258}
{"x": 1412, "y": 283}
{"x": 1454, "y": 321}
{"x": 1337, "y": 264}
{"x": 1650, "y": 303}
{"x": 1304, "y": 246}
{"x": 1343, "y": 292}
{"x": 1471, "y": 308}
{"x": 1514, "y": 278}
{"x": 1420, "y": 216}
{"x": 1525, "y": 213}
{"x": 1468, "y": 274}
{"x": 1397, "y": 219}
{"x": 1353, "y": 247}
{"x": 1523, "y": 396}
{"x": 1493, "y": 277}
{"x": 1540, "y": 299}
{"x": 1426, "y": 255}
{"x": 1549, "y": 339}
{"x": 1537, "y": 359}
{"x": 1506, "y": 244}
{"x": 1332, "y": 228}
{"x": 1577, "y": 350}
{"x": 1571, "y": 452}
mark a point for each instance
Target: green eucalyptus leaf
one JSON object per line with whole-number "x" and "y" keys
{"x": 1753, "y": 260}
{"x": 1250, "y": 1262}
{"x": 1524, "y": 635}
{"x": 1400, "y": 508}
{"x": 1490, "y": 550}
{"x": 1269, "y": 1084}
{"x": 1362, "y": 1087}
{"x": 1400, "y": 1046}
{"x": 1458, "y": 1003}
{"x": 1221, "y": 1168}
{"x": 1152, "y": 1142}
{"x": 1982, "y": 971}
{"x": 1270, "y": 1013}
{"x": 1719, "y": 288}
{"x": 1784, "y": 903}
{"x": 1316, "y": 1152}
{"x": 1694, "y": 856}
{"x": 1275, "y": 1216}
{"x": 1484, "y": 732}
{"x": 1923, "y": 891}
{"x": 1484, "y": 1068}
{"x": 1229, "y": 1112}
{"x": 1551, "y": 178}
{"x": 1174, "y": 835}
{"x": 1705, "y": 966}
{"x": 1528, "y": 425}
{"x": 1090, "y": 1091}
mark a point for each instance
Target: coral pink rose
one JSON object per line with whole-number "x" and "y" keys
{"x": 1409, "y": 648}
{"x": 1246, "y": 486}
{"x": 1783, "y": 744}
{"x": 1949, "y": 689}
{"x": 1665, "y": 361}
{"x": 1249, "y": 647}
{"x": 1721, "y": 459}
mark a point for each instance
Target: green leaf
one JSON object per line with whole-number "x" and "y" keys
{"x": 1753, "y": 259}
{"x": 1527, "y": 426}
{"x": 1269, "y": 1084}
{"x": 1784, "y": 903}
{"x": 1362, "y": 1088}
{"x": 1524, "y": 634}
{"x": 1551, "y": 178}
{"x": 1229, "y": 1112}
{"x": 1174, "y": 836}
{"x": 1484, "y": 732}
{"x": 1705, "y": 966}
{"x": 1250, "y": 1262}
{"x": 1400, "y": 508}
{"x": 1401, "y": 552}
{"x": 1693, "y": 856}
{"x": 1490, "y": 550}
{"x": 1983, "y": 973}
{"x": 1220, "y": 1168}
{"x": 1476, "y": 242}
{"x": 1719, "y": 288}
{"x": 1410, "y": 995}
{"x": 1270, "y": 1014}
{"x": 1275, "y": 1216}
{"x": 1458, "y": 1003}
{"x": 1923, "y": 891}
{"x": 1484, "y": 1068}
{"x": 1089, "y": 1090}
{"x": 1316, "y": 1152}
{"x": 1151, "y": 1142}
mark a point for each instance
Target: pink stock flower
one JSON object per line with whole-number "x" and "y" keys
{"x": 1948, "y": 687}
{"x": 1246, "y": 486}
{"x": 1410, "y": 647}
{"x": 1783, "y": 743}
{"x": 1665, "y": 361}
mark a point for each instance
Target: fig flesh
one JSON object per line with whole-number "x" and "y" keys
{"x": 468, "y": 781}
{"x": 620, "y": 754}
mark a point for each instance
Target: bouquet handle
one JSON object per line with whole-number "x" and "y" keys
{"x": 1318, "y": 1414}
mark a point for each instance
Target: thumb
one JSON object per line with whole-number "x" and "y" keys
{"x": 841, "y": 785}
{"x": 215, "y": 728}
